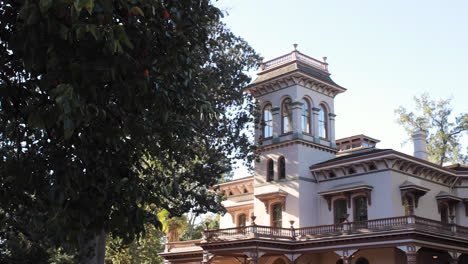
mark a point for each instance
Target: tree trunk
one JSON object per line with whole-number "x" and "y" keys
{"x": 95, "y": 250}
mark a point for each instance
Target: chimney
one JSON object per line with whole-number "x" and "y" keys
{"x": 419, "y": 142}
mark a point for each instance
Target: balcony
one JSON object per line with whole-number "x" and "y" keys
{"x": 402, "y": 223}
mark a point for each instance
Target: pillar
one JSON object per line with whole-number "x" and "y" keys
{"x": 296, "y": 117}
{"x": 454, "y": 257}
{"x": 332, "y": 129}
{"x": 315, "y": 127}
{"x": 346, "y": 255}
{"x": 276, "y": 122}
{"x": 411, "y": 253}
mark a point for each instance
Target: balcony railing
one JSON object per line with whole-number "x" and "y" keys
{"x": 349, "y": 228}
{"x": 294, "y": 56}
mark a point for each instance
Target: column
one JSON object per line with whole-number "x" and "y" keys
{"x": 296, "y": 118}
{"x": 346, "y": 255}
{"x": 315, "y": 127}
{"x": 276, "y": 122}
{"x": 454, "y": 257}
{"x": 332, "y": 129}
{"x": 346, "y": 260}
{"x": 411, "y": 253}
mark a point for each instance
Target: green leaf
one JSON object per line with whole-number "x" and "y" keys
{"x": 119, "y": 31}
{"x": 44, "y": 5}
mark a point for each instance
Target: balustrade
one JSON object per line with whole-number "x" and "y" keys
{"x": 348, "y": 228}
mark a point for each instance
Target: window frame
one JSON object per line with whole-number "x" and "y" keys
{"x": 281, "y": 168}
{"x": 239, "y": 220}
{"x": 270, "y": 166}
{"x": 306, "y": 107}
{"x": 323, "y": 124}
{"x": 288, "y": 103}
{"x": 266, "y": 122}
{"x": 272, "y": 217}
{"x": 355, "y": 207}
{"x": 335, "y": 220}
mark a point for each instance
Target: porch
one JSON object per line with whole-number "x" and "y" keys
{"x": 408, "y": 239}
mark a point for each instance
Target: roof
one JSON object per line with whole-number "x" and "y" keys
{"x": 458, "y": 167}
{"x": 354, "y": 155}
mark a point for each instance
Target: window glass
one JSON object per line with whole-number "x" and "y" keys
{"x": 322, "y": 122}
{"x": 444, "y": 214}
{"x": 270, "y": 170}
{"x": 408, "y": 203}
{"x": 341, "y": 211}
{"x": 360, "y": 205}
{"x": 287, "y": 116}
{"x": 282, "y": 168}
{"x": 268, "y": 122}
{"x": 241, "y": 220}
{"x": 277, "y": 215}
{"x": 305, "y": 116}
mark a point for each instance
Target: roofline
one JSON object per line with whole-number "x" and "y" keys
{"x": 385, "y": 153}
{"x": 336, "y": 86}
{"x": 359, "y": 135}
{"x": 240, "y": 180}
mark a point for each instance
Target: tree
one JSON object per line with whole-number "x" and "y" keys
{"x": 108, "y": 106}
{"x": 444, "y": 132}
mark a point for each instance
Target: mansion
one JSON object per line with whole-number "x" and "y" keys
{"x": 314, "y": 199}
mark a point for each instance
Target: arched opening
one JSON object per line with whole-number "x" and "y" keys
{"x": 362, "y": 261}
{"x": 279, "y": 261}
{"x": 322, "y": 122}
{"x": 277, "y": 215}
{"x": 286, "y": 112}
{"x": 305, "y": 120}
{"x": 281, "y": 168}
{"x": 270, "y": 170}
{"x": 267, "y": 122}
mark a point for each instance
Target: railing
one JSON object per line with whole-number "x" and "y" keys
{"x": 181, "y": 245}
{"x": 294, "y": 56}
{"x": 349, "y": 228}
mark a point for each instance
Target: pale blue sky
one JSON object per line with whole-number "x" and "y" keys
{"x": 383, "y": 52}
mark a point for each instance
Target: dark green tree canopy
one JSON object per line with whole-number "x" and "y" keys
{"x": 110, "y": 105}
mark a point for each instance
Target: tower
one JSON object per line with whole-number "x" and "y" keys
{"x": 296, "y": 96}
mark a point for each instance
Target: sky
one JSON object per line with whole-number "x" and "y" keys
{"x": 383, "y": 52}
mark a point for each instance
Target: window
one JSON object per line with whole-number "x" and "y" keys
{"x": 331, "y": 175}
{"x": 360, "y": 209}
{"x": 267, "y": 122}
{"x": 277, "y": 215}
{"x": 444, "y": 214}
{"x": 351, "y": 171}
{"x": 270, "y": 170}
{"x": 409, "y": 205}
{"x": 372, "y": 167}
{"x": 287, "y": 115}
{"x": 305, "y": 116}
{"x": 241, "y": 219}
{"x": 341, "y": 211}
{"x": 282, "y": 168}
{"x": 322, "y": 122}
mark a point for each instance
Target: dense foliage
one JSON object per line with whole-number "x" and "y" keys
{"x": 444, "y": 131}
{"x": 107, "y": 106}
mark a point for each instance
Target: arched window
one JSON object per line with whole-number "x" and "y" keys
{"x": 270, "y": 170}
{"x": 267, "y": 122}
{"x": 362, "y": 261}
{"x": 277, "y": 216}
{"x": 409, "y": 205}
{"x": 360, "y": 209}
{"x": 281, "y": 168}
{"x": 444, "y": 214}
{"x": 322, "y": 122}
{"x": 287, "y": 115}
{"x": 341, "y": 211}
{"x": 305, "y": 116}
{"x": 340, "y": 261}
{"x": 279, "y": 261}
{"x": 241, "y": 219}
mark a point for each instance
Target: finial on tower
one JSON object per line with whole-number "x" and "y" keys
{"x": 324, "y": 59}
{"x": 295, "y": 47}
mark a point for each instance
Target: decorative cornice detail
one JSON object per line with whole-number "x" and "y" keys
{"x": 271, "y": 198}
{"x": 300, "y": 141}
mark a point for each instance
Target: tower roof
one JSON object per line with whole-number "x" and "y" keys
{"x": 292, "y": 68}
